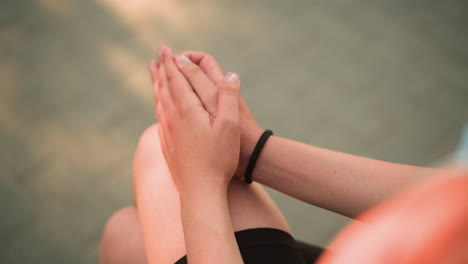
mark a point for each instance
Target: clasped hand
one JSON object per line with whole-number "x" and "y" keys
{"x": 200, "y": 139}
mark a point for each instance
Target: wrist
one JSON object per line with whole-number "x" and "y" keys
{"x": 202, "y": 196}
{"x": 249, "y": 139}
{"x": 213, "y": 186}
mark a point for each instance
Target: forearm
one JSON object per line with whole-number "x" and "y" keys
{"x": 209, "y": 237}
{"x": 340, "y": 182}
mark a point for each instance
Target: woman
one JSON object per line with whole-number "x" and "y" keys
{"x": 189, "y": 203}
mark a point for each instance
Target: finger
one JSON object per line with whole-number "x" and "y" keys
{"x": 153, "y": 68}
{"x": 211, "y": 68}
{"x": 207, "y": 63}
{"x": 163, "y": 126}
{"x": 181, "y": 90}
{"x": 203, "y": 86}
{"x": 164, "y": 145}
{"x": 228, "y": 102}
{"x": 164, "y": 96}
{"x": 160, "y": 114}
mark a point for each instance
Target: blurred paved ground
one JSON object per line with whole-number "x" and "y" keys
{"x": 384, "y": 79}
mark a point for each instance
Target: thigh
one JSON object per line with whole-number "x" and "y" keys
{"x": 158, "y": 207}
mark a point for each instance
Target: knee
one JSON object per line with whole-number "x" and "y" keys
{"x": 114, "y": 226}
{"x": 121, "y": 240}
{"x": 148, "y": 152}
{"x": 148, "y": 139}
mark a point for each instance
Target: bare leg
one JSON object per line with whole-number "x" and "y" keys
{"x": 122, "y": 241}
{"x": 158, "y": 211}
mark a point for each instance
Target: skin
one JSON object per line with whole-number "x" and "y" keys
{"x": 311, "y": 174}
{"x": 424, "y": 225}
{"x": 201, "y": 162}
{"x": 150, "y": 231}
{"x": 340, "y": 182}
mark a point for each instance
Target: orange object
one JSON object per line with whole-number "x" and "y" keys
{"x": 425, "y": 225}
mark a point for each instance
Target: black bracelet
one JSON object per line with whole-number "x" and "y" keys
{"x": 256, "y": 152}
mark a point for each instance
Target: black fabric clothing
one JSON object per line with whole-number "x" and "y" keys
{"x": 311, "y": 253}
{"x": 269, "y": 245}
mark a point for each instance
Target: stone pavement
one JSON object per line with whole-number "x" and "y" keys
{"x": 383, "y": 79}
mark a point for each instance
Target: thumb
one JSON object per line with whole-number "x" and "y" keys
{"x": 228, "y": 100}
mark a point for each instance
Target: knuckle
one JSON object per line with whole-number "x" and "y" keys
{"x": 212, "y": 98}
{"x": 183, "y": 109}
{"x": 228, "y": 121}
{"x": 230, "y": 89}
{"x": 187, "y": 110}
{"x": 208, "y": 57}
{"x": 193, "y": 69}
{"x": 210, "y": 102}
{"x": 170, "y": 78}
{"x": 169, "y": 125}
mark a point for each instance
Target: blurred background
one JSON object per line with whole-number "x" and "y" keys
{"x": 382, "y": 79}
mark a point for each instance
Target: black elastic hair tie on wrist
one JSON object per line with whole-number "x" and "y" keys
{"x": 256, "y": 152}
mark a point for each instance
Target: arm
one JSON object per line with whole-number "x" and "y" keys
{"x": 344, "y": 183}
{"x": 202, "y": 155}
{"x": 209, "y": 237}
{"x": 340, "y": 182}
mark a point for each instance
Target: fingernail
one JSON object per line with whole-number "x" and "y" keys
{"x": 232, "y": 78}
{"x": 152, "y": 66}
{"x": 182, "y": 60}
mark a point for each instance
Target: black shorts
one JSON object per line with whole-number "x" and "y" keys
{"x": 268, "y": 245}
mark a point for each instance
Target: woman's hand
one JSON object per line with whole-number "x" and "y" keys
{"x": 201, "y": 149}
{"x": 204, "y": 65}
{"x": 202, "y": 152}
